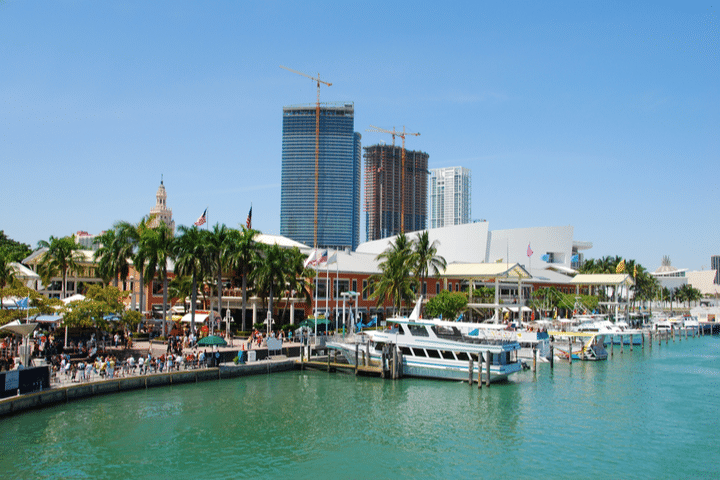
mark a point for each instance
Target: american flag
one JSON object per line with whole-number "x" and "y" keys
{"x": 323, "y": 257}
{"x": 203, "y": 218}
{"x": 248, "y": 222}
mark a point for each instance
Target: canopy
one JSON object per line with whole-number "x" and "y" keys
{"x": 212, "y": 340}
{"x": 485, "y": 271}
{"x": 48, "y": 318}
{"x": 19, "y": 328}
{"x": 199, "y": 317}
{"x": 73, "y": 298}
{"x": 602, "y": 279}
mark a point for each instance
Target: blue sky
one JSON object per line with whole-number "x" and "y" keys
{"x": 600, "y": 115}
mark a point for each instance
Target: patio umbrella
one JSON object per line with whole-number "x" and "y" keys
{"x": 212, "y": 340}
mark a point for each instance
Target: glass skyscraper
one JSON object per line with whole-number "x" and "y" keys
{"x": 450, "y": 194}
{"x": 338, "y": 214}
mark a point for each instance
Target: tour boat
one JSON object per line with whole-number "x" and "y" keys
{"x": 441, "y": 349}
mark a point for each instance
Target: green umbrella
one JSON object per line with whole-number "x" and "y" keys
{"x": 212, "y": 340}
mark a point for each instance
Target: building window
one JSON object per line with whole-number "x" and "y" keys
{"x": 354, "y": 285}
{"x": 157, "y": 288}
{"x": 364, "y": 292}
{"x": 340, "y": 287}
{"x": 437, "y": 287}
{"x": 424, "y": 288}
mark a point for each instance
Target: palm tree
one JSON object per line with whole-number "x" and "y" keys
{"x": 7, "y": 273}
{"x": 269, "y": 274}
{"x": 156, "y": 246}
{"x": 296, "y": 276}
{"x": 426, "y": 258}
{"x": 241, "y": 257}
{"x": 133, "y": 235}
{"x": 394, "y": 281}
{"x": 114, "y": 251}
{"x": 218, "y": 245}
{"x": 61, "y": 257}
{"x": 191, "y": 259}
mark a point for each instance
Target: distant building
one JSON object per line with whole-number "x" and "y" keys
{"x": 338, "y": 203}
{"x": 715, "y": 265}
{"x": 86, "y": 240}
{"x": 383, "y": 200}
{"x": 160, "y": 212}
{"x": 450, "y": 195}
{"x": 670, "y": 277}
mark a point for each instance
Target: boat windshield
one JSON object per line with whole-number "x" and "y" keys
{"x": 417, "y": 330}
{"x": 448, "y": 333}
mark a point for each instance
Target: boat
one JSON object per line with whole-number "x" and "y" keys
{"x": 616, "y": 333}
{"x": 533, "y": 340}
{"x": 579, "y": 346}
{"x": 439, "y": 349}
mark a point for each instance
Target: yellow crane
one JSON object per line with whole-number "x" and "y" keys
{"x": 402, "y": 135}
{"x": 317, "y": 143}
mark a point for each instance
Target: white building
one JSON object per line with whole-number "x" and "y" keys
{"x": 450, "y": 195}
{"x": 160, "y": 212}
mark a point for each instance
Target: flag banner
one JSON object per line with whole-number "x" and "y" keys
{"x": 529, "y": 251}
{"x": 575, "y": 258}
{"x": 311, "y": 259}
{"x": 545, "y": 258}
{"x": 203, "y": 218}
{"x": 323, "y": 258}
{"x": 635, "y": 271}
{"x": 332, "y": 258}
{"x": 248, "y": 222}
{"x": 499, "y": 260}
{"x": 620, "y": 267}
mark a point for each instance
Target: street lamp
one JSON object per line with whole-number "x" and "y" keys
{"x": 349, "y": 296}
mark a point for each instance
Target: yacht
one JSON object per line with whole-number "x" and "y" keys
{"x": 440, "y": 349}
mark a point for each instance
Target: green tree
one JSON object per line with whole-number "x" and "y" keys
{"x": 446, "y": 305}
{"x": 296, "y": 276}
{"x": 92, "y": 312}
{"x": 12, "y": 250}
{"x": 7, "y": 273}
{"x": 241, "y": 259}
{"x": 134, "y": 234}
{"x": 156, "y": 246}
{"x": 115, "y": 248}
{"x": 191, "y": 258}
{"x": 425, "y": 258}
{"x": 394, "y": 282}
{"x": 270, "y": 274}
{"x": 62, "y": 256}
{"x": 219, "y": 247}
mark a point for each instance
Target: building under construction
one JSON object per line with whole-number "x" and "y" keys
{"x": 383, "y": 201}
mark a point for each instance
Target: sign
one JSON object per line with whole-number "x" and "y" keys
{"x": 12, "y": 380}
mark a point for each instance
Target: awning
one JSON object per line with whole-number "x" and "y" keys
{"x": 199, "y": 317}
{"x": 485, "y": 271}
{"x": 73, "y": 298}
{"x": 48, "y": 318}
{"x": 602, "y": 279}
{"x": 19, "y": 328}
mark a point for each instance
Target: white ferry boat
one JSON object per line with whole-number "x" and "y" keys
{"x": 434, "y": 348}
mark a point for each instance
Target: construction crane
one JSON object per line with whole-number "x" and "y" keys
{"x": 317, "y": 143}
{"x": 402, "y": 135}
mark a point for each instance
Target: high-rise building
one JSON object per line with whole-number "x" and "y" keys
{"x": 383, "y": 201}
{"x": 338, "y": 204}
{"x": 715, "y": 265}
{"x": 450, "y": 190}
{"x": 160, "y": 212}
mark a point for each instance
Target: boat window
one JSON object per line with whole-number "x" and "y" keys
{"x": 406, "y": 351}
{"x": 418, "y": 331}
{"x": 433, "y": 353}
{"x": 447, "y": 355}
{"x": 462, "y": 356}
{"x": 418, "y": 352}
{"x": 448, "y": 333}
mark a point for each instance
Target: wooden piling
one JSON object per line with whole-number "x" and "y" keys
{"x": 612, "y": 347}
{"x": 622, "y": 344}
{"x": 570, "y": 350}
{"x": 470, "y": 372}
{"x": 357, "y": 355}
{"x": 631, "y": 342}
{"x": 480, "y": 369}
{"x": 367, "y": 354}
{"x": 487, "y": 370}
{"x": 552, "y": 356}
{"x": 328, "y": 361}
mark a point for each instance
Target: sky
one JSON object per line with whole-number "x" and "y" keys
{"x": 602, "y": 115}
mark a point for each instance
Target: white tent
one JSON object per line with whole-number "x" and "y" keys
{"x": 73, "y": 298}
{"x": 200, "y": 317}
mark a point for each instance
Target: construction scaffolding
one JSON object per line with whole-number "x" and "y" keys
{"x": 383, "y": 202}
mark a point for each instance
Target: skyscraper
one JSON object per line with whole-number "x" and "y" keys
{"x": 383, "y": 201}
{"x": 450, "y": 190}
{"x": 715, "y": 265}
{"x": 338, "y": 213}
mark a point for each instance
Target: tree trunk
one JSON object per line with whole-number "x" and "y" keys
{"x": 244, "y": 296}
{"x": 193, "y": 299}
{"x": 165, "y": 294}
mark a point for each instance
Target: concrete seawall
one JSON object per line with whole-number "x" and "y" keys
{"x": 65, "y": 394}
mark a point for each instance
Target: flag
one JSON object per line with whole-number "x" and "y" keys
{"x": 311, "y": 259}
{"x": 529, "y": 251}
{"x": 248, "y": 222}
{"x": 22, "y": 304}
{"x": 635, "y": 271}
{"x": 545, "y": 258}
{"x": 499, "y": 260}
{"x": 575, "y": 258}
{"x": 202, "y": 219}
{"x": 620, "y": 267}
{"x": 333, "y": 258}
{"x": 323, "y": 258}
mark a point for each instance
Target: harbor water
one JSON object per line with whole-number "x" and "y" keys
{"x": 650, "y": 413}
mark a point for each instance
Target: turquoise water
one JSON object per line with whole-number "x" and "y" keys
{"x": 649, "y": 413}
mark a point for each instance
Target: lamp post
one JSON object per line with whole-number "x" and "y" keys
{"x": 350, "y": 296}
